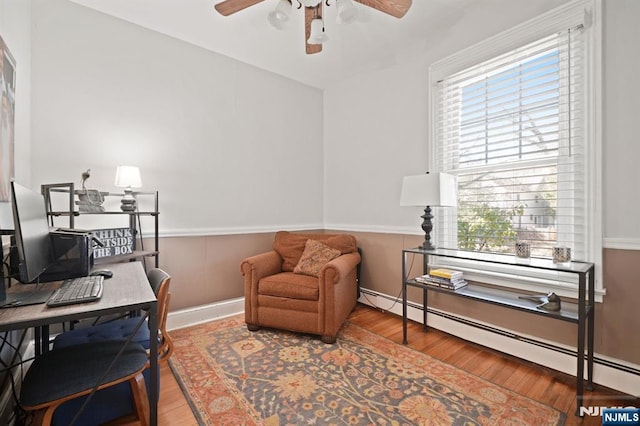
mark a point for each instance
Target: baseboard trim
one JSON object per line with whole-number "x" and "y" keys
{"x": 612, "y": 373}
{"x": 200, "y": 314}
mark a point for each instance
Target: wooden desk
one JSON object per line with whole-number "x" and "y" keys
{"x": 127, "y": 290}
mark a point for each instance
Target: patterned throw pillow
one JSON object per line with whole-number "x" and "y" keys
{"x": 290, "y": 245}
{"x": 314, "y": 257}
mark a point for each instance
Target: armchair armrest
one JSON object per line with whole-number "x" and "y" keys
{"x": 261, "y": 265}
{"x": 339, "y": 267}
{"x": 253, "y": 269}
{"x": 338, "y": 293}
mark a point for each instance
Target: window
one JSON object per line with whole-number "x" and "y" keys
{"x": 510, "y": 123}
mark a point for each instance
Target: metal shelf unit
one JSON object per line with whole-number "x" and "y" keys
{"x": 134, "y": 220}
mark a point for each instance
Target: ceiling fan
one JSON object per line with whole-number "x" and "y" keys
{"x": 314, "y": 27}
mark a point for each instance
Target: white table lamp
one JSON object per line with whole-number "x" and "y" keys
{"x": 430, "y": 190}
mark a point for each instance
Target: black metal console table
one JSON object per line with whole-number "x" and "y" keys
{"x": 581, "y": 313}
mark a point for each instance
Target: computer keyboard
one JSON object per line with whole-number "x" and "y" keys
{"x": 77, "y": 290}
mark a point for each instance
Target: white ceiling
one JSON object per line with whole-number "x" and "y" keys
{"x": 376, "y": 40}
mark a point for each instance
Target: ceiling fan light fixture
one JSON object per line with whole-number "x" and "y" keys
{"x": 317, "y": 34}
{"x": 280, "y": 16}
{"x": 314, "y": 33}
{"x": 347, "y": 11}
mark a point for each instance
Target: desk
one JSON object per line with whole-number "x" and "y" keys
{"x": 580, "y": 313}
{"x": 127, "y": 290}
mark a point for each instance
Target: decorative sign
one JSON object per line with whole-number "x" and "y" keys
{"x": 117, "y": 241}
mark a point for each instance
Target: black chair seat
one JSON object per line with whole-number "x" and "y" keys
{"x": 68, "y": 371}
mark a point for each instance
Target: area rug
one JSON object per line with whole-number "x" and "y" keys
{"x": 232, "y": 376}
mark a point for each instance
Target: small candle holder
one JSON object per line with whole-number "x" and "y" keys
{"x": 523, "y": 250}
{"x": 561, "y": 254}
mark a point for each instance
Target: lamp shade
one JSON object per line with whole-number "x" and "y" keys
{"x": 280, "y": 17}
{"x": 430, "y": 189}
{"x": 128, "y": 176}
{"x": 317, "y": 35}
{"x": 347, "y": 12}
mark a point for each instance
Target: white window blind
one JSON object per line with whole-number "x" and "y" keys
{"x": 511, "y": 129}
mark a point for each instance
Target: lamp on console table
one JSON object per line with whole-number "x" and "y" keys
{"x": 128, "y": 177}
{"x": 430, "y": 190}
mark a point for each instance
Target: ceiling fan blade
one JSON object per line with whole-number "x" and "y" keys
{"x": 228, "y": 7}
{"x": 309, "y": 14}
{"x": 396, "y": 8}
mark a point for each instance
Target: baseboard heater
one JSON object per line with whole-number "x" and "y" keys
{"x": 504, "y": 333}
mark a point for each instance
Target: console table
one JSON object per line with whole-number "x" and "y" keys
{"x": 581, "y": 313}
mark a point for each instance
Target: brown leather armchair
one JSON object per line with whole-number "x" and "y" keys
{"x": 281, "y": 292}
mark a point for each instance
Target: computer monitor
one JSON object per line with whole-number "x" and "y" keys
{"x": 31, "y": 232}
{"x": 33, "y": 242}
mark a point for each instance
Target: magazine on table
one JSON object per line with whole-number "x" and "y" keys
{"x": 452, "y": 284}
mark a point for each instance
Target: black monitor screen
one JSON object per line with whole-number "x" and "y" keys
{"x": 32, "y": 232}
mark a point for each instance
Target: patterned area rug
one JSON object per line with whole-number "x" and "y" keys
{"x": 235, "y": 377}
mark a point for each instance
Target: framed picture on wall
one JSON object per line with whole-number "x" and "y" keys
{"x": 7, "y": 118}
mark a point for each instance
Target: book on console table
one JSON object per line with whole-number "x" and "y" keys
{"x": 449, "y": 274}
{"x": 451, "y": 284}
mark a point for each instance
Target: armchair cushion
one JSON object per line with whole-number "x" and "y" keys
{"x": 314, "y": 257}
{"x": 290, "y": 246}
{"x": 289, "y": 285}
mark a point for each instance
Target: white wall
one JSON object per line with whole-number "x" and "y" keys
{"x": 376, "y": 127}
{"x": 204, "y": 127}
{"x": 230, "y": 147}
{"x": 621, "y": 110}
{"x": 15, "y": 30}
{"x": 375, "y": 133}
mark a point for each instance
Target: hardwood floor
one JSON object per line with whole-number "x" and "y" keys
{"x": 542, "y": 384}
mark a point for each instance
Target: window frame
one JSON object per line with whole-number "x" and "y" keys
{"x": 580, "y": 12}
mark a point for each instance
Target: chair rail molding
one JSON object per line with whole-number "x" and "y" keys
{"x": 621, "y": 243}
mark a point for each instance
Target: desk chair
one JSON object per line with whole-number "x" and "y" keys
{"x": 116, "y": 401}
{"x": 122, "y": 328}
{"x": 66, "y": 374}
